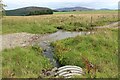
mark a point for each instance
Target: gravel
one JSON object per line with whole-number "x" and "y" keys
{"x": 17, "y": 39}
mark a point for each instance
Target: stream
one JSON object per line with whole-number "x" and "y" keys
{"x": 48, "y": 50}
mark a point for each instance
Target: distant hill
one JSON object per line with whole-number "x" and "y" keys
{"x": 26, "y": 11}
{"x": 73, "y": 9}
{"x": 104, "y": 9}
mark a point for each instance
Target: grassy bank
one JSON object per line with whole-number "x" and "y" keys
{"x": 51, "y": 23}
{"x": 100, "y": 49}
{"x": 23, "y": 62}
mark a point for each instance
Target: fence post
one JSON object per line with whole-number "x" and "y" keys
{"x": 91, "y": 21}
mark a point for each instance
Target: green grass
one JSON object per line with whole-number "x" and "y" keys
{"x": 89, "y": 12}
{"x": 50, "y": 23}
{"x": 26, "y": 24}
{"x": 100, "y": 49}
{"x": 25, "y": 62}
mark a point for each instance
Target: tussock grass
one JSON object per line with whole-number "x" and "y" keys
{"x": 51, "y": 23}
{"x": 23, "y": 62}
{"x": 101, "y": 49}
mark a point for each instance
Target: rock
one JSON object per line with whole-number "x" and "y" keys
{"x": 55, "y": 69}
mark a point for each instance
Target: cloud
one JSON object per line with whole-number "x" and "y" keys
{"x": 13, "y": 4}
{"x": 33, "y": 1}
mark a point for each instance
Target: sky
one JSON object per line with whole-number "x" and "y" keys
{"x": 54, "y": 4}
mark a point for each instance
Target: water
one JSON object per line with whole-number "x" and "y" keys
{"x": 49, "y": 53}
{"x": 59, "y": 35}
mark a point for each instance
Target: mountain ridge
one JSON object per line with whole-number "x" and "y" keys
{"x": 74, "y": 9}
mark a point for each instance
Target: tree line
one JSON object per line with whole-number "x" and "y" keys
{"x": 2, "y": 10}
{"x": 40, "y": 12}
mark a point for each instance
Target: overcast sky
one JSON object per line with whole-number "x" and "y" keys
{"x": 53, "y": 4}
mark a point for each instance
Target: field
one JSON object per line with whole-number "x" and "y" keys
{"x": 24, "y": 62}
{"x": 89, "y": 12}
{"x": 52, "y": 23}
{"x": 101, "y": 49}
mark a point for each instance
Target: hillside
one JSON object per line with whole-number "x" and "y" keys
{"x": 73, "y": 9}
{"x": 26, "y": 11}
{"x": 105, "y": 9}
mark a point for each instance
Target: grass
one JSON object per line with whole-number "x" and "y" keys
{"x": 51, "y": 23}
{"x": 101, "y": 49}
{"x": 89, "y": 12}
{"x": 25, "y": 62}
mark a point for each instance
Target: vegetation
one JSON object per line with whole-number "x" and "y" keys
{"x": 99, "y": 50}
{"x": 25, "y": 62}
{"x": 89, "y": 12}
{"x": 42, "y": 12}
{"x": 27, "y": 11}
{"x": 2, "y": 10}
{"x": 51, "y": 23}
